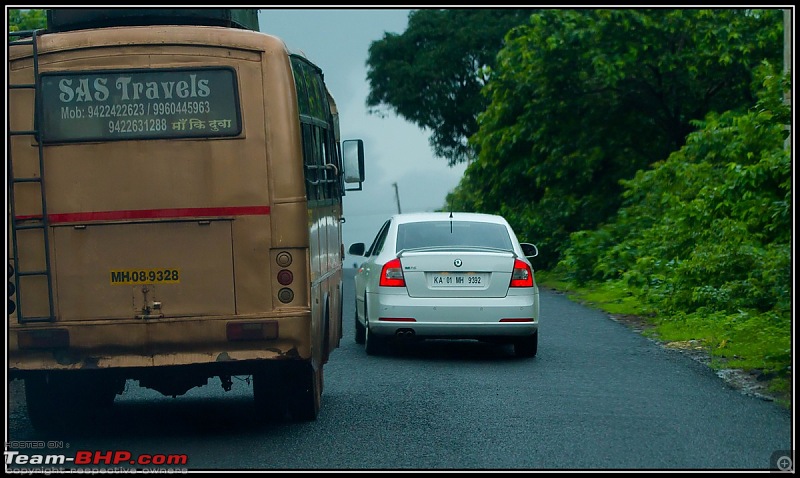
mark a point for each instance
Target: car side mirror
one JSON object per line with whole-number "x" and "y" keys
{"x": 357, "y": 249}
{"x": 530, "y": 250}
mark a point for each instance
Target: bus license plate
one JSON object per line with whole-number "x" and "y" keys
{"x": 145, "y": 276}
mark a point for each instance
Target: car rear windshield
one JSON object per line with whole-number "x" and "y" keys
{"x": 453, "y": 233}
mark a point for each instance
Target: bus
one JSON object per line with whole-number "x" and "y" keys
{"x": 175, "y": 184}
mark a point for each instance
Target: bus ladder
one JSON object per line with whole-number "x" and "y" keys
{"x": 36, "y": 223}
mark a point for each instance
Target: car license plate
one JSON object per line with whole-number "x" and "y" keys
{"x": 458, "y": 279}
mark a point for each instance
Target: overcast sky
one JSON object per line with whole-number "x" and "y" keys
{"x": 337, "y": 40}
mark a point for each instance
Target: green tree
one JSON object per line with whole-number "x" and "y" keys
{"x": 705, "y": 236}
{"x": 432, "y": 74}
{"x": 581, "y": 99}
{"x": 22, "y": 20}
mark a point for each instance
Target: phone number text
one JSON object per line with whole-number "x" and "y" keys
{"x": 139, "y": 109}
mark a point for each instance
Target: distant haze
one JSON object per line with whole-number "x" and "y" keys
{"x": 338, "y": 40}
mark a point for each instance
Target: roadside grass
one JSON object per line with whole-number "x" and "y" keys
{"x": 758, "y": 346}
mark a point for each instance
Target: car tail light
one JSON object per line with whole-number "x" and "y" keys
{"x": 522, "y": 276}
{"x": 392, "y": 274}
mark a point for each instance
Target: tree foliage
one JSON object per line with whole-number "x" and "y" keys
{"x": 705, "y": 236}
{"x": 432, "y": 74}
{"x": 582, "y": 99}
{"x": 22, "y": 20}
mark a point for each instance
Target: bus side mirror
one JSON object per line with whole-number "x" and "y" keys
{"x": 353, "y": 159}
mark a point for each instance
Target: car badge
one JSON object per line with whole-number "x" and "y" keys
{"x": 457, "y": 262}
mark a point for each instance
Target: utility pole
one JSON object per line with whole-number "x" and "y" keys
{"x": 397, "y": 197}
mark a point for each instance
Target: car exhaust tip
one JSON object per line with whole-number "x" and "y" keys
{"x": 404, "y": 333}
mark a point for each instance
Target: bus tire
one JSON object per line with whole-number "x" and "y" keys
{"x": 326, "y": 333}
{"x": 45, "y": 411}
{"x": 306, "y": 393}
{"x": 59, "y": 400}
{"x": 269, "y": 395}
{"x": 341, "y": 314}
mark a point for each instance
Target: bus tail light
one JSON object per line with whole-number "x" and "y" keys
{"x": 392, "y": 274}
{"x": 286, "y": 295}
{"x": 43, "y": 339}
{"x": 251, "y": 330}
{"x": 284, "y": 259}
{"x": 285, "y": 276}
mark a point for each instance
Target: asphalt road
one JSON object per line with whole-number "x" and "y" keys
{"x": 598, "y": 396}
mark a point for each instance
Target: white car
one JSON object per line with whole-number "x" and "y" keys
{"x": 445, "y": 275}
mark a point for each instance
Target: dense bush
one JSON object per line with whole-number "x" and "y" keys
{"x": 704, "y": 237}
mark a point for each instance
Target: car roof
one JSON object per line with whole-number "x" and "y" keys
{"x": 446, "y": 216}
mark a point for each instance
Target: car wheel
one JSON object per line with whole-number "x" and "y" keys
{"x": 527, "y": 347}
{"x": 361, "y": 332}
{"x": 374, "y": 344}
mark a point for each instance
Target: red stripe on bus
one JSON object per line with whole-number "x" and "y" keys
{"x": 152, "y": 214}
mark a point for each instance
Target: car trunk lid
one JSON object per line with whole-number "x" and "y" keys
{"x": 457, "y": 273}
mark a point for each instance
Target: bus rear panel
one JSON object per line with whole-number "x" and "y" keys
{"x": 165, "y": 224}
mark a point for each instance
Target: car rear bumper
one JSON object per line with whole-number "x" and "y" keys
{"x": 512, "y": 316}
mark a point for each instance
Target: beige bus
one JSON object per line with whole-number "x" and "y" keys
{"x": 175, "y": 183}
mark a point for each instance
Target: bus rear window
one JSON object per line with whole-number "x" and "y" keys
{"x": 139, "y": 104}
